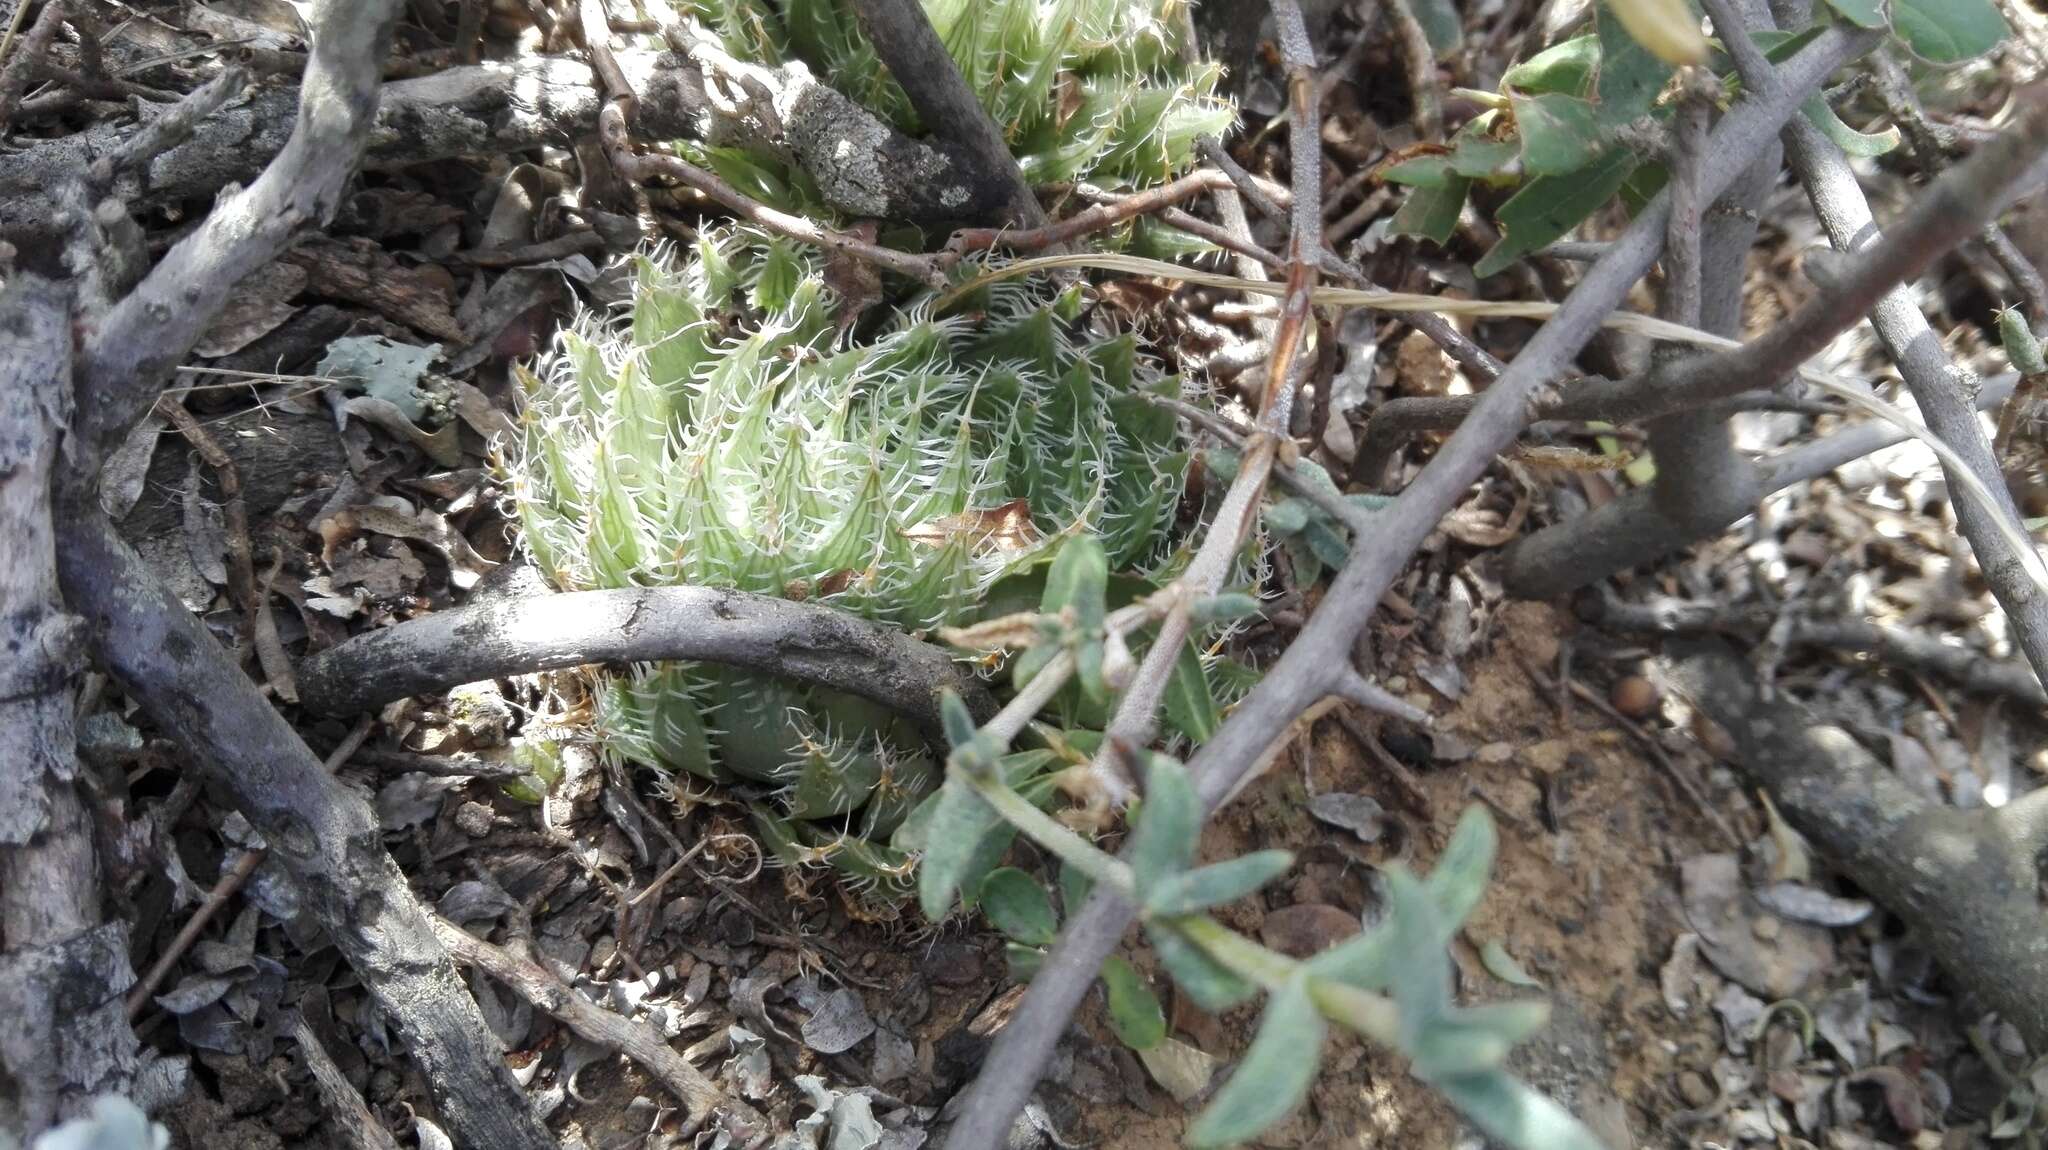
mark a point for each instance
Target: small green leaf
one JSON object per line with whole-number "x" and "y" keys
{"x": 1024, "y": 961}
{"x": 1274, "y": 1076}
{"x": 1169, "y": 824}
{"x": 1863, "y": 145}
{"x": 2021, "y": 347}
{"x": 1549, "y": 206}
{"x": 1477, "y": 156}
{"x": 1441, "y": 24}
{"x": 1948, "y": 31}
{"x": 1018, "y": 906}
{"x": 1503, "y": 1107}
{"x": 1079, "y": 579}
{"x": 1862, "y": 13}
{"x": 1198, "y": 890}
{"x": 1074, "y": 887}
{"x": 960, "y": 820}
{"x": 1630, "y": 75}
{"x": 1088, "y": 662}
{"x": 958, "y": 720}
{"x": 1560, "y": 134}
{"x": 1426, "y": 171}
{"x": 1190, "y": 703}
{"x": 1209, "y": 984}
{"x": 1568, "y": 68}
{"x": 1134, "y": 1011}
{"x": 1431, "y": 213}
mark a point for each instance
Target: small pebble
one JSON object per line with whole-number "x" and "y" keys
{"x": 1694, "y": 1088}
{"x": 1765, "y": 928}
{"x": 1635, "y": 697}
{"x": 1494, "y": 754}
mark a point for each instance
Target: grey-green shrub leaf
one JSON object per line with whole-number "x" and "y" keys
{"x": 1862, "y": 13}
{"x": 1197, "y": 890}
{"x": 1274, "y": 1076}
{"x": 1169, "y": 824}
{"x": 1018, "y": 906}
{"x": 1228, "y": 607}
{"x": 1209, "y": 984}
{"x": 1190, "y": 704}
{"x": 1501, "y": 964}
{"x": 1134, "y": 1011}
{"x": 1287, "y": 516}
{"x": 1364, "y": 960}
{"x": 1431, "y": 170}
{"x": 1431, "y": 213}
{"x": 1549, "y": 206}
{"x": 1560, "y": 133}
{"x": 1074, "y": 887}
{"x": 1459, "y": 878}
{"x": 1506, "y": 1109}
{"x": 959, "y": 822}
{"x": 1476, "y": 1039}
{"x": 1948, "y": 31}
{"x": 958, "y": 720}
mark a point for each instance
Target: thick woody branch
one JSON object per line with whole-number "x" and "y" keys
{"x": 1966, "y": 882}
{"x": 130, "y": 352}
{"x": 906, "y": 41}
{"x": 802, "y": 641}
{"x": 322, "y": 832}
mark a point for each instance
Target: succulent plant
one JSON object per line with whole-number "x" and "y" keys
{"x": 724, "y": 432}
{"x": 1099, "y": 90}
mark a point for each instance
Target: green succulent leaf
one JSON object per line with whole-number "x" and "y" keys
{"x": 1948, "y": 31}
{"x": 1074, "y": 887}
{"x": 1207, "y": 983}
{"x": 1441, "y": 24}
{"x": 1190, "y": 703}
{"x": 1288, "y": 516}
{"x": 1197, "y": 890}
{"x": 1018, "y": 906}
{"x": 1363, "y": 960}
{"x": 1134, "y": 1011}
{"x": 1274, "y": 1076}
{"x": 2022, "y": 348}
{"x": 1169, "y": 824}
{"x": 1079, "y": 579}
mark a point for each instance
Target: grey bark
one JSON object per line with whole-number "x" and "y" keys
{"x": 1966, "y": 882}
{"x": 802, "y": 641}
{"x": 58, "y": 965}
{"x": 321, "y": 831}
